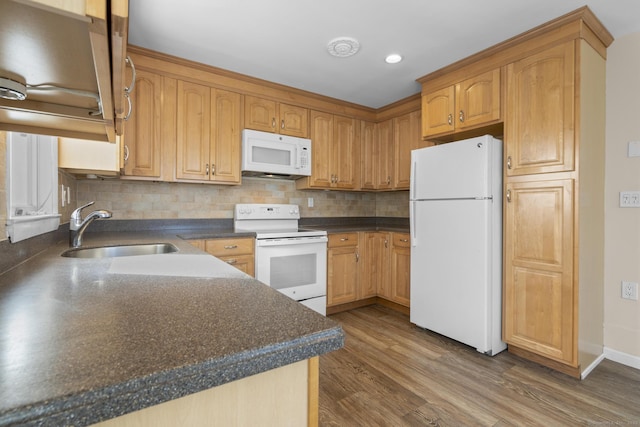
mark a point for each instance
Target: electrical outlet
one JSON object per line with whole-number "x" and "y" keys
{"x": 630, "y": 290}
{"x": 630, "y": 199}
{"x": 310, "y": 202}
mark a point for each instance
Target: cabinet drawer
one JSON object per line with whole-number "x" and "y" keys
{"x": 228, "y": 247}
{"x": 342, "y": 239}
{"x": 245, "y": 263}
{"x": 401, "y": 240}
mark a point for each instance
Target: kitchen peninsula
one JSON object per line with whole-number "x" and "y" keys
{"x": 88, "y": 340}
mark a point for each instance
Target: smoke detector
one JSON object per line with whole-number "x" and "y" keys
{"x": 343, "y": 47}
{"x": 11, "y": 89}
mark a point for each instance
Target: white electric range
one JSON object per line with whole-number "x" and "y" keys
{"x": 288, "y": 258}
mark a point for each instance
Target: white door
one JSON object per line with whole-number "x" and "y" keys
{"x": 451, "y": 270}
{"x": 460, "y": 169}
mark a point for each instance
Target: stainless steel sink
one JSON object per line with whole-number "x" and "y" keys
{"x": 120, "y": 250}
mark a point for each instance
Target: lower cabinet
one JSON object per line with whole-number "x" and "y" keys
{"x": 400, "y": 268}
{"x": 375, "y": 276}
{"x": 342, "y": 268}
{"x": 367, "y": 265}
{"x": 237, "y": 251}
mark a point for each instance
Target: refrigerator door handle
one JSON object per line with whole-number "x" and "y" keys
{"x": 412, "y": 224}
{"x": 413, "y": 180}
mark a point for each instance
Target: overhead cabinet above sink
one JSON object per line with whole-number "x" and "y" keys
{"x": 65, "y": 57}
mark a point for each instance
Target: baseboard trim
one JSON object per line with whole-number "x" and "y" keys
{"x": 591, "y": 367}
{"x": 623, "y": 358}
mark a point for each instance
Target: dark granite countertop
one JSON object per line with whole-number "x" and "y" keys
{"x": 351, "y": 224}
{"x": 84, "y": 340}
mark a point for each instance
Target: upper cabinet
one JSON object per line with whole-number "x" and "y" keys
{"x": 208, "y": 134}
{"x": 376, "y": 151}
{"x": 142, "y": 139}
{"x": 385, "y": 149}
{"x": 270, "y": 116}
{"x": 335, "y": 153}
{"x": 471, "y": 103}
{"x": 406, "y": 137}
{"x": 71, "y": 91}
{"x": 540, "y": 95}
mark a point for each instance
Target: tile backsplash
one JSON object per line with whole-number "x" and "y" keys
{"x": 160, "y": 200}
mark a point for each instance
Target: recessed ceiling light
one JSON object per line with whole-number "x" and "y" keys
{"x": 11, "y": 89}
{"x": 394, "y": 58}
{"x": 343, "y": 47}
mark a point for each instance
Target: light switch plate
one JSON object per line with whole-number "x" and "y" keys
{"x": 634, "y": 149}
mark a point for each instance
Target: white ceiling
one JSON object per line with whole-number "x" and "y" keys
{"x": 284, "y": 41}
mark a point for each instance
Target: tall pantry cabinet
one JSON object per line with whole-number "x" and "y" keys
{"x": 552, "y": 122}
{"x": 554, "y": 205}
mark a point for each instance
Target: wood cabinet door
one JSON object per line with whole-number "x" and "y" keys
{"x": 368, "y": 283}
{"x": 260, "y": 114}
{"x": 294, "y": 121}
{"x": 367, "y": 155}
{"x": 406, "y": 137}
{"x": 384, "y": 157}
{"x": 376, "y": 258}
{"x": 193, "y": 127}
{"x": 438, "y": 111}
{"x": 142, "y": 140}
{"x": 401, "y": 271}
{"x": 540, "y": 113}
{"x": 346, "y": 154}
{"x": 539, "y": 297}
{"x": 226, "y": 138}
{"x": 321, "y": 149}
{"x": 342, "y": 275}
{"x": 478, "y": 100}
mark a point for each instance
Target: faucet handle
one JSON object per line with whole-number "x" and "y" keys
{"x": 75, "y": 215}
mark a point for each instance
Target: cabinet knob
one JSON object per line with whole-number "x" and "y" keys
{"x": 232, "y": 261}
{"x": 344, "y": 239}
{"x": 273, "y": 122}
{"x": 404, "y": 240}
{"x": 509, "y": 196}
{"x": 450, "y": 119}
{"x": 357, "y": 257}
{"x": 461, "y": 116}
{"x": 386, "y": 243}
{"x": 509, "y": 162}
{"x": 126, "y": 152}
{"x": 231, "y": 246}
{"x": 213, "y": 169}
{"x": 281, "y": 124}
{"x": 388, "y": 180}
{"x": 206, "y": 167}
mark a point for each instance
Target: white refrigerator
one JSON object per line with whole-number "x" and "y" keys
{"x": 456, "y": 241}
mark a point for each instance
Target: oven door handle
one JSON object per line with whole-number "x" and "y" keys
{"x": 291, "y": 242}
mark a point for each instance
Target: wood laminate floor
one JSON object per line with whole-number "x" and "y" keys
{"x": 392, "y": 373}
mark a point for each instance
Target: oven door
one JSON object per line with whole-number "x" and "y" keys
{"x": 297, "y": 267}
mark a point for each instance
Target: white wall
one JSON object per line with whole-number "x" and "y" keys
{"x": 622, "y": 225}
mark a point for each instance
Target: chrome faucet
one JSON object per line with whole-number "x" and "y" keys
{"x": 77, "y": 225}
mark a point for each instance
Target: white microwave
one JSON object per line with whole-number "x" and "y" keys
{"x": 271, "y": 155}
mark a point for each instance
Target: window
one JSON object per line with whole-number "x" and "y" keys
{"x": 32, "y": 185}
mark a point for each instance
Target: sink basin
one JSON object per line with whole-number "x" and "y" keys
{"x": 120, "y": 250}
